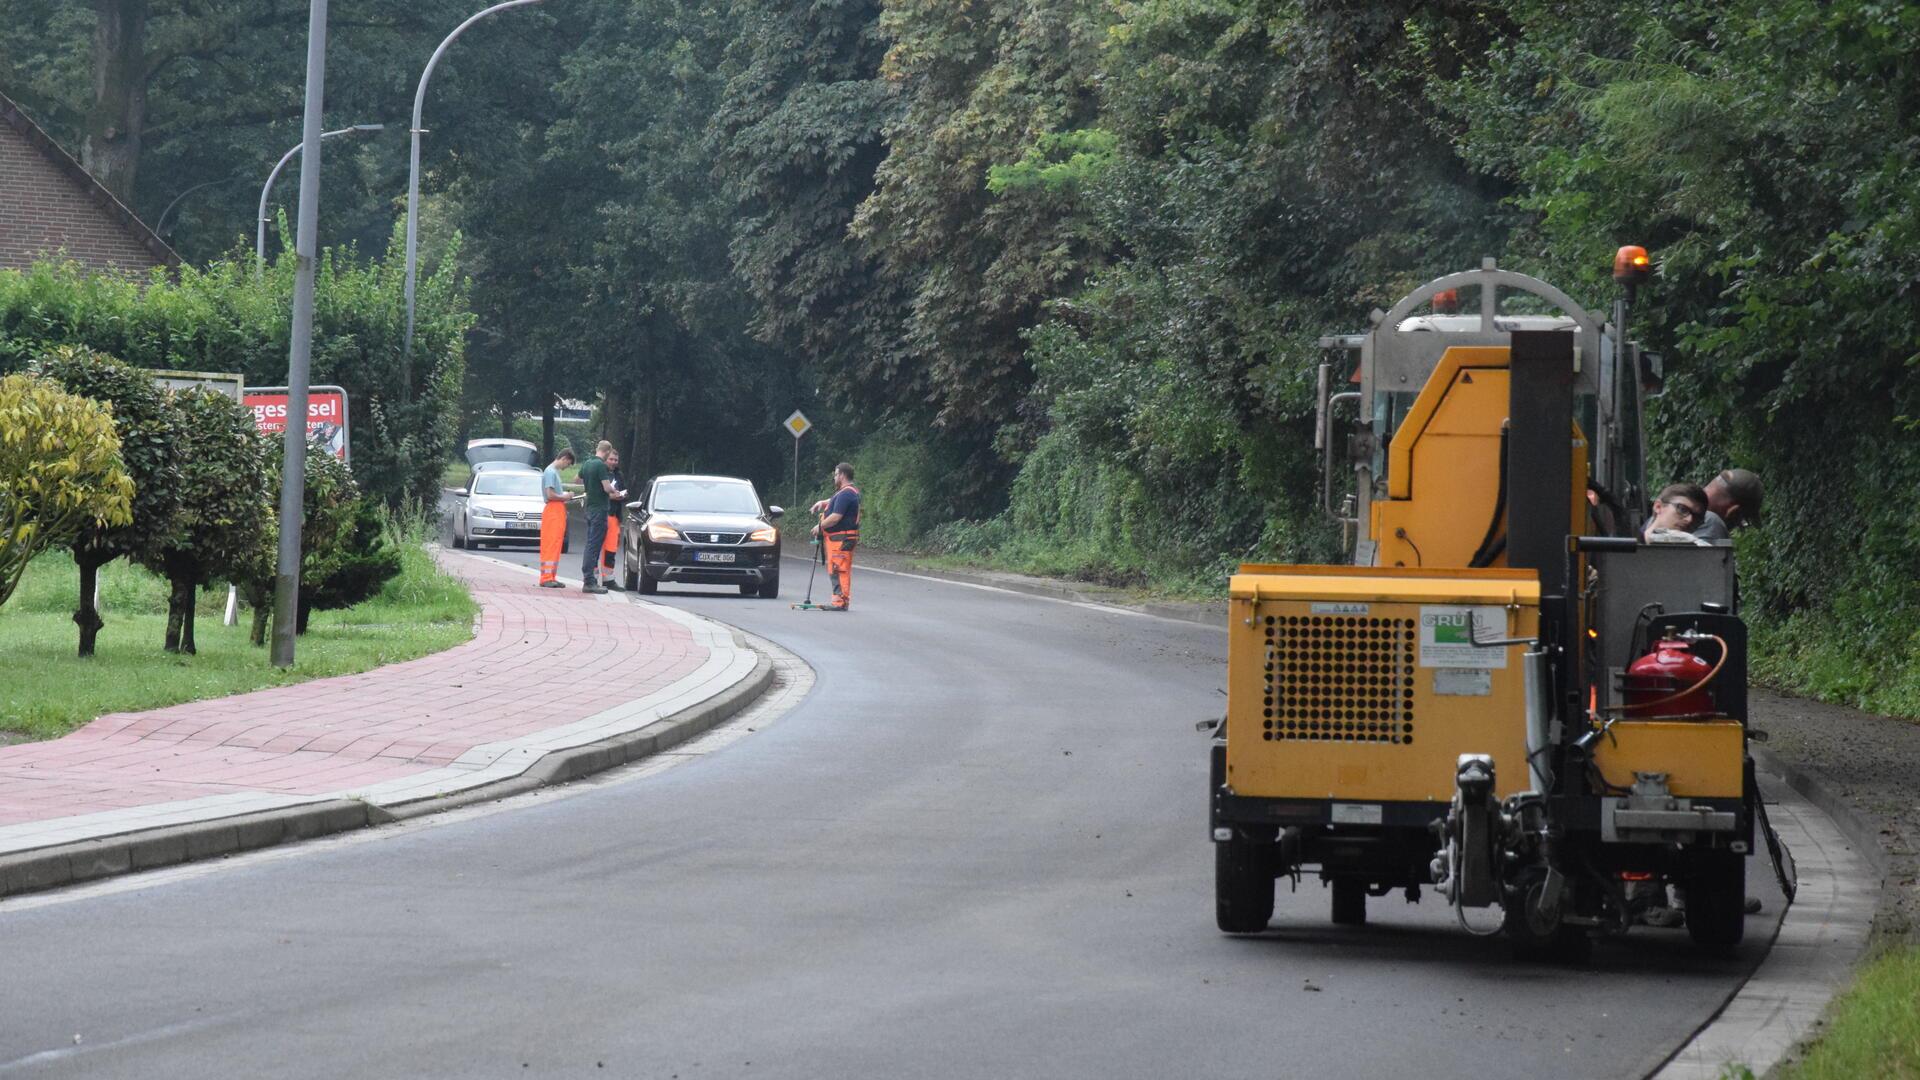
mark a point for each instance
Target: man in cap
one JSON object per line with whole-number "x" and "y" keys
{"x": 1733, "y": 500}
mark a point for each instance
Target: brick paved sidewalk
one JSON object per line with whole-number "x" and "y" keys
{"x": 547, "y": 670}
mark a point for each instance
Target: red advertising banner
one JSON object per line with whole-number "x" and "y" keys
{"x": 326, "y": 414}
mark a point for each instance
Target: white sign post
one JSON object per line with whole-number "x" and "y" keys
{"x": 799, "y": 425}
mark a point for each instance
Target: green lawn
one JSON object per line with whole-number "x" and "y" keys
{"x": 46, "y": 690}
{"x": 1874, "y": 1028}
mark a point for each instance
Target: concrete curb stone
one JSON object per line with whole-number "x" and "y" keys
{"x": 91, "y": 860}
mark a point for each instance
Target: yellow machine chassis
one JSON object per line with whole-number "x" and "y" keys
{"x": 1341, "y": 687}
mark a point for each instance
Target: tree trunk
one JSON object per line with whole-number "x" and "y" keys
{"x": 616, "y": 419}
{"x": 87, "y": 615}
{"x": 111, "y": 150}
{"x": 179, "y": 609}
{"x": 186, "y": 621}
{"x": 260, "y": 602}
{"x": 506, "y": 421}
{"x": 546, "y": 428}
{"x": 305, "y": 613}
{"x": 644, "y": 430}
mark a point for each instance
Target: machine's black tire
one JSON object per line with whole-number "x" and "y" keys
{"x": 566, "y": 544}
{"x": 629, "y": 576}
{"x": 648, "y": 586}
{"x": 1565, "y": 944}
{"x": 458, "y": 540}
{"x": 770, "y": 589}
{"x": 1717, "y": 899}
{"x": 1349, "y": 902}
{"x": 1242, "y": 886}
{"x": 749, "y": 589}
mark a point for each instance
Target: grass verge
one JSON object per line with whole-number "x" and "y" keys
{"x": 46, "y": 690}
{"x": 1873, "y": 1029}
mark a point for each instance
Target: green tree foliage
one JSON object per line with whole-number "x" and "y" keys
{"x": 801, "y": 127}
{"x": 331, "y": 505}
{"x": 148, "y": 426}
{"x": 185, "y": 114}
{"x": 60, "y": 472}
{"x": 367, "y": 556}
{"x": 1061, "y": 264}
{"x": 228, "y": 317}
{"x": 1767, "y": 153}
{"x": 981, "y": 83}
{"x": 226, "y": 505}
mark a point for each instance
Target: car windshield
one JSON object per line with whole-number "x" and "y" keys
{"x": 508, "y": 483}
{"x": 704, "y": 497}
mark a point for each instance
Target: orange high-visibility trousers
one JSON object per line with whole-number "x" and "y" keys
{"x": 610, "y": 550}
{"x": 840, "y": 547}
{"x": 553, "y": 537}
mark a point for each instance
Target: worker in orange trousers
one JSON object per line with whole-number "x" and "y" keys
{"x": 553, "y": 520}
{"x": 610, "y": 551}
{"x": 839, "y": 530}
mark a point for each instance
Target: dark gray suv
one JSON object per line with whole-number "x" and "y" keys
{"x": 701, "y": 530}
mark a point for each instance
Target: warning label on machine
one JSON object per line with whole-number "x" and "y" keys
{"x": 1445, "y": 640}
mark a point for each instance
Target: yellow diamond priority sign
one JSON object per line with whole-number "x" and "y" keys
{"x": 798, "y": 423}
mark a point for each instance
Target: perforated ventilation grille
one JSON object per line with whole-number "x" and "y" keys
{"x": 1339, "y": 678}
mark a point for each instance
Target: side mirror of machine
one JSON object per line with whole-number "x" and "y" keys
{"x": 637, "y": 506}
{"x": 1653, "y": 374}
{"x": 776, "y": 512}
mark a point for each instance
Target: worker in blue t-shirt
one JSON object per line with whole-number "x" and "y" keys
{"x": 839, "y": 530}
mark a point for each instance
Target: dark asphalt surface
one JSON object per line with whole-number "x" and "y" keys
{"x": 978, "y": 849}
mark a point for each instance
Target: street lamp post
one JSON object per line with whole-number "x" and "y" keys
{"x": 413, "y": 185}
{"x": 293, "y": 462}
{"x": 266, "y": 192}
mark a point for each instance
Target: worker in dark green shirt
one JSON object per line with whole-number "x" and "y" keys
{"x": 598, "y": 484}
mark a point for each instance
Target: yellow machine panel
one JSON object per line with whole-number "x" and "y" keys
{"x": 1443, "y": 467}
{"x": 1702, "y": 758}
{"x": 1358, "y": 683}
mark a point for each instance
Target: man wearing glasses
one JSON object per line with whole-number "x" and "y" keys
{"x": 1677, "y": 512}
{"x": 1733, "y": 500}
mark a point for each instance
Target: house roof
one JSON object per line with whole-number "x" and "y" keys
{"x": 12, "y": 115}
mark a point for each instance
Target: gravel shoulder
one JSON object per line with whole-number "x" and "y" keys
{"x": 1871, "y": 765}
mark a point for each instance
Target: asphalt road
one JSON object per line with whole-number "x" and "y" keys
{"x": 977, "y": 849}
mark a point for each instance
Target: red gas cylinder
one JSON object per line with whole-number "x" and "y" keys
{"x": 1670, "y": 668}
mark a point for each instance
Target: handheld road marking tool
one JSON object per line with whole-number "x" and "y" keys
{"x": 819, "y": 556}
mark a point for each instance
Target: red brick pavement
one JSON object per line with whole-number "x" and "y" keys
{"x": 524, "y": 672}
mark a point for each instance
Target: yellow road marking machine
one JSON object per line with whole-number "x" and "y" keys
{"x": 1507, "y": 697}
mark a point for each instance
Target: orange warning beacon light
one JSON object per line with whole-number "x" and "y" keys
{"x": 1446, "y": 301}
{"x": 1631, "y": 265}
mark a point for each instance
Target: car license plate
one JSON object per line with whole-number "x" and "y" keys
{"x": 713, "y": 556}
{"x": 523, "y": 526}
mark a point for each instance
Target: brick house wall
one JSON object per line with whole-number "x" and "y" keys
{"x": 49, "y": 204}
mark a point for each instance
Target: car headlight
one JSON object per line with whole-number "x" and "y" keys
{"x": 480, "y": 513}
{"x": 764, "y": 536}
{"x": 659, "y": 531}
